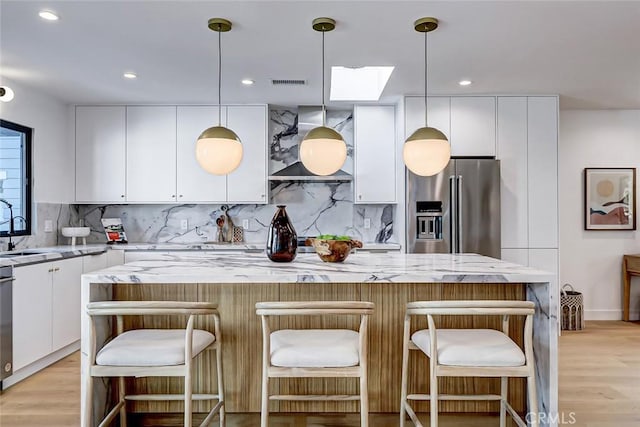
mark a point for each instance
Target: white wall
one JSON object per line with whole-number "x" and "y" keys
{"x": 53, "y": 142}
{"x": 591, "y": 260}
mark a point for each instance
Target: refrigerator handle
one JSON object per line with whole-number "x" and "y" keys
{"x": 453, "y": 214}
{"x": 460, "y": 232}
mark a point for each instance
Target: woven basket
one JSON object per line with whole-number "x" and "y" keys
{"x": 572, "y": 309}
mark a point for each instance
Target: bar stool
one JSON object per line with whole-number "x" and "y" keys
{"x": 470, "y": 353}
{"x": 319, "y": 353}
{"x": 153, "y": 353}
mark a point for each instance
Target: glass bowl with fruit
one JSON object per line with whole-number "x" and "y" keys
{"x": 332, "y": 248}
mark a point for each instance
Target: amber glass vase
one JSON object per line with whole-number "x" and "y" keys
{"x": 282, "y": 241}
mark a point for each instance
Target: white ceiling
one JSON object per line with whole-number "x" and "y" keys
{"x": 586, "y": 51}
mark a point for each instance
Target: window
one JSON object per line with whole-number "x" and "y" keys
{"x": 15, "y": 179}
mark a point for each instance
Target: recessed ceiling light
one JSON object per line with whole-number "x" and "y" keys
{"x": 130, "y": 75}
{"x": 247, "y": 82}
{"x": 6, "y": 94}
{"x": 358, "y": 84}
{"x": 464, "y": 82}
{"x": 48, "y": 15}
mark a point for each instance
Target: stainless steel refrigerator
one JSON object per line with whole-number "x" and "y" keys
{"x": 457, "y": 210}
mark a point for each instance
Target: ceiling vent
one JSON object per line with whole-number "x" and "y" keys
{"x": 287, "y": 82}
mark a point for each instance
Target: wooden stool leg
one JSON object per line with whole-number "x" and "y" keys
{"x": 264, "y": 412}
{"x": 187, "y": 397}
{"x": 532, "y": 393}
{"x": 123, "y": 410}
{"x": 87, "y": 416}
{"x": 364, "y": 399}
{"x": 405, "y": 371}
{"x": 504, "y": 382}
{"x": 433, "y": 415}
{"x": 220, "y": 385}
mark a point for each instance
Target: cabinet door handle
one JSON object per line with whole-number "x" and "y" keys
{"x": 122, "y": 195}
{"x": 181, "y": 195}
{"x": 173, "y": 196}
{"x": 360, "y": 196}
{"x": 56, "y": 269}
{"x": 51, "y": 270}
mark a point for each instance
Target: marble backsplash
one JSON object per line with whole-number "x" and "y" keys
{"x": 162, "y": 223}
{"x": 58, "y": 214}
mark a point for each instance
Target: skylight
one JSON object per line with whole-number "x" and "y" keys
{"x": 358, "y": 84}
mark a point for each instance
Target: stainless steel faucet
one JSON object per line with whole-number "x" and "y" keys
{"x": 11, "y": 246}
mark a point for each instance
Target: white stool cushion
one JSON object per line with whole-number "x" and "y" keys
{"x": 471, "y": 347}
{"x": 314, "y": 348}
{"x": 151, "y": 347}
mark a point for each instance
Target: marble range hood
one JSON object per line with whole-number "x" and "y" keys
{"x": 309, "y": 117}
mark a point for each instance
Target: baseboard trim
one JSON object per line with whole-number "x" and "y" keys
{"x": 609, "y": 315}
{"x": 39, "y": 365}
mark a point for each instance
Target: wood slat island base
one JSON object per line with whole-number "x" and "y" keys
{"x": 242, "y": 343}
{"x": 237, "y": 282}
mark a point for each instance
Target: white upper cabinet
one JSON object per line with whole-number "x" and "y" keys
{"x": 151, "y": 154}
{"x": 248, "y": 183}
{"x": 100, "y": 154}
{"x": 543, "y": 171}
{"x": 375, "y": 148}
{"x": 512, "y": 152}
{"x": 439, "y": 114}
{"x": 473, "y": 126}
{"x": 194, "y": 185}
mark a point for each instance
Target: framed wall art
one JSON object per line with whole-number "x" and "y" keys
{"x": 610, "y": 198}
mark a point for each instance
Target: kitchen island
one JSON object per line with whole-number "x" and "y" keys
{"x": 237, "y": 281}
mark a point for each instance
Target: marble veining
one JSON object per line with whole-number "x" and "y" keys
{"x": 256, "y": 268}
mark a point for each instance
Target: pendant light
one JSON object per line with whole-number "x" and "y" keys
{"x": 218, "y": 149}
{"x": 427, "y": 151}
{"x": 323, "y": 150}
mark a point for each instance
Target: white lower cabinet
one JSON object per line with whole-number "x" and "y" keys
{"x": 65, "y": 307}
{"x": 32, "y": 307}
{"x": 46, "y": 307}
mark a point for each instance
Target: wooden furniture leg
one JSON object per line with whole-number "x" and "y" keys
{"x": 626, "y": 290}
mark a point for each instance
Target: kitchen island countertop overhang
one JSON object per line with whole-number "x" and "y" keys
{"x": 257, "y": 268}
{"x": 388, "y": 279}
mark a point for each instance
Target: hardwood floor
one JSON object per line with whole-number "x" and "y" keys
{"x": 599, "y": 387}
{"x": 600, "y": 375}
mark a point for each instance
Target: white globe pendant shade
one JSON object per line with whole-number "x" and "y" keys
{"x": 426, "y": 152}
{"x": 323, "y": 151}
{"x": 218, "y": 150}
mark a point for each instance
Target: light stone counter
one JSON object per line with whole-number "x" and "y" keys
{"x": 386, "y": 271}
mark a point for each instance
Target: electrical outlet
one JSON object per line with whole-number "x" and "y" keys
{"x": 184, "y": 224}
{"x": 367, "y": 223}
{"x": 48, "y": 226}
{"x": 245, "y": 224}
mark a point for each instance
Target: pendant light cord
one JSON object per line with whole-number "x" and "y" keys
{"x": 219, "y": 78}
{"x": 426, "y": 122}
{"x": 324, "y": 112}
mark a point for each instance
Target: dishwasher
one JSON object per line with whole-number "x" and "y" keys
{"x": 6, "y": 327}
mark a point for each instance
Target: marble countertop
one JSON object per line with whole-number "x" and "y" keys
{"x": 53, "y": 253}
{"x": 365, "y": 267}
{"x": 37, "y": 255}
{"x": 214, "y": 246}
